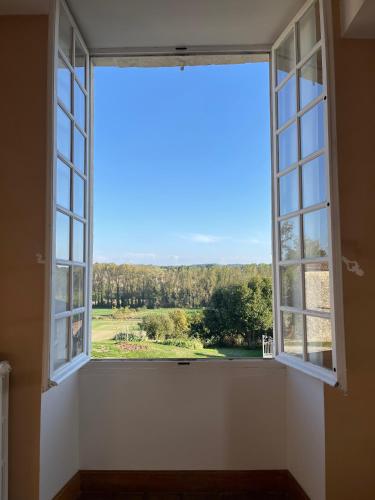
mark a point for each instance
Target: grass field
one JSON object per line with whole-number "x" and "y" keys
{"x": 104, "y": 327}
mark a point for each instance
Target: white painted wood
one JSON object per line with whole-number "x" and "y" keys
{"x": 4, "y": 411}
{"x": 56, "y": 376}
{"x": 331, "y": 204}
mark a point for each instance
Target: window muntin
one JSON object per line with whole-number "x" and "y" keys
{"x": 70, "y": 252}
{"x": 304, "y": 278}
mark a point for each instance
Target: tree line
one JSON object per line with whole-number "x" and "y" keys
{"x": 131, "y": 285}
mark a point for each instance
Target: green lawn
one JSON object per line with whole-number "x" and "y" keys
{"x": 104, "y": 327}
{"x": 151, "y": 350}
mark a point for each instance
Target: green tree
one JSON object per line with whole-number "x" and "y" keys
{"x": 240, "y": 312}
{"x": 180, "y": 322}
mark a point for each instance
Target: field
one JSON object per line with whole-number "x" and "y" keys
{"x": 104, "y": 327}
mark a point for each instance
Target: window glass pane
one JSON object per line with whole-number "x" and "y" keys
{"x": 319, "y": 341}
{"x": 77, "y": 340}
{"x": 62, "y": 236}
{"x": 314, "y": 182}
{"x": 79, "y": 195}
{"x": 79, "y": 150}
{"x": 62, "y": 289}
{"x": 63, "y": 133}
{"x": 288, "y": 186}
{"x": 79, "y": 106}
{"x": 63, "y": 84}
{"x": 78, "y": 283}
{"x": 289, "y": 239}
{"x": 311, "y": 80}
{"x": 290, "y": 277}
{"x": 309, "y": 30}
{"x": 315, "y": 234}
{"x": 78, "y": 241}
{"x": 287, "y": 147}
{"x": 292, "y": 333}
{"x": 285, "y": 57}
{"x": 286, "y": 102}
{"x": 65, "y": 34}
{"x": 60, "y": 343}
{"x": 312, "y": 130}
{"x": 317, "y": 286}
{"x": 62, "y": 184}
{"x": 80, "y": 62}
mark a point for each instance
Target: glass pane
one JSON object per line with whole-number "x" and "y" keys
{"x": 317, "y": 286}
{"x": 79, "y": 150}
{"x": 286, "y": 102}
{"x": 80, "y": 62}
{"x": 78, "y": 239}
{"x": 287, "y": 147}
{"x": 63, "y": 84}
{"x": 292, "y": 333}
{"x": 62, "y": 289}
{"x": 63, "y": 133}
{"x": 65, "y": 34}
{"x": 60, "y": 343}
{"x": 79, "y": 106}
{"x": 288, "y": 186}
{"x": 79, "y": 195}
{"x": 315, "y": 234}
{"x": 319, "y": 341}
{"x": 309, "y": 30}
{"x": 289, "y": 239}
{"x": 62, "y": 184}
{"x": 290, "y": 277}
{"x": 312, "y": 130}
{"x": 62, "y": 236}
{"x": 285, "y": 58}
{"x": 78, "y": 283}
{"x": 311, "y": 80}
{"x": 314, "y": 182}
{"x": 77, "y": 340}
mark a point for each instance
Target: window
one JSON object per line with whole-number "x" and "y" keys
{"x": 306, "y": 269}
{"x": 306, "y": 257}
{"x": 69, "y": 344}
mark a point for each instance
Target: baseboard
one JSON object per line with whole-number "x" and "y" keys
{"x": 72, "y": 489}
{"x": 99, "y": 484}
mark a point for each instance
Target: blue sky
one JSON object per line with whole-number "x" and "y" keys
{"x": 182, "y": 165}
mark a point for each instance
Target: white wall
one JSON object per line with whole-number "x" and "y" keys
{"x": 159, "y": 415}
{"x": 59, "y": 447}
{"x": 305, "y": 434}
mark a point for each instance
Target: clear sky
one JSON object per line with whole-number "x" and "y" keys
{"x": 182, "y": 165}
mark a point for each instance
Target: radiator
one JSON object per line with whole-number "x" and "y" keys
{"x": 4, "y": 396}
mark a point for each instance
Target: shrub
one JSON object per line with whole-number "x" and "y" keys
{"x": 183, "y": 342}
{"x": 130, "y": 336}
{"x": 180, "y": 323}
{"x": 157, "y": 326}
{"x": 121, "y": 312}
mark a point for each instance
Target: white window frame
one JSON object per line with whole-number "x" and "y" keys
{"x": 338, "y": 375}
{"x": 332, "y": 378}
{"x": 52, "y": 377}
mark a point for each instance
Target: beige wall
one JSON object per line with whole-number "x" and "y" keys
{"x": 350, "y": 419}
{"x": 23, "y": 56}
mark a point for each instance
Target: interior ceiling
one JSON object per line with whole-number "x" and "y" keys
{"x": 169, "y": 23}
{"x": 115, "y": 24}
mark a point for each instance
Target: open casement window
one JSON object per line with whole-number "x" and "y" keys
{"x": 71, "y": 213}
{"x": 307, "y": 263}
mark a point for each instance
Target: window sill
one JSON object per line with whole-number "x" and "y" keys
{"x": 99, "y": 365}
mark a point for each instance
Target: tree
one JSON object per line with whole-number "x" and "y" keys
{"x": 157, "y": 326}
{"x": 240, "y": 312}
{"x": 180, "y": 322}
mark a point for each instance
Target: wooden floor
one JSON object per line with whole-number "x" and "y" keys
{"x": 185, "y": 496}
{"x": 182, "y": 485}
